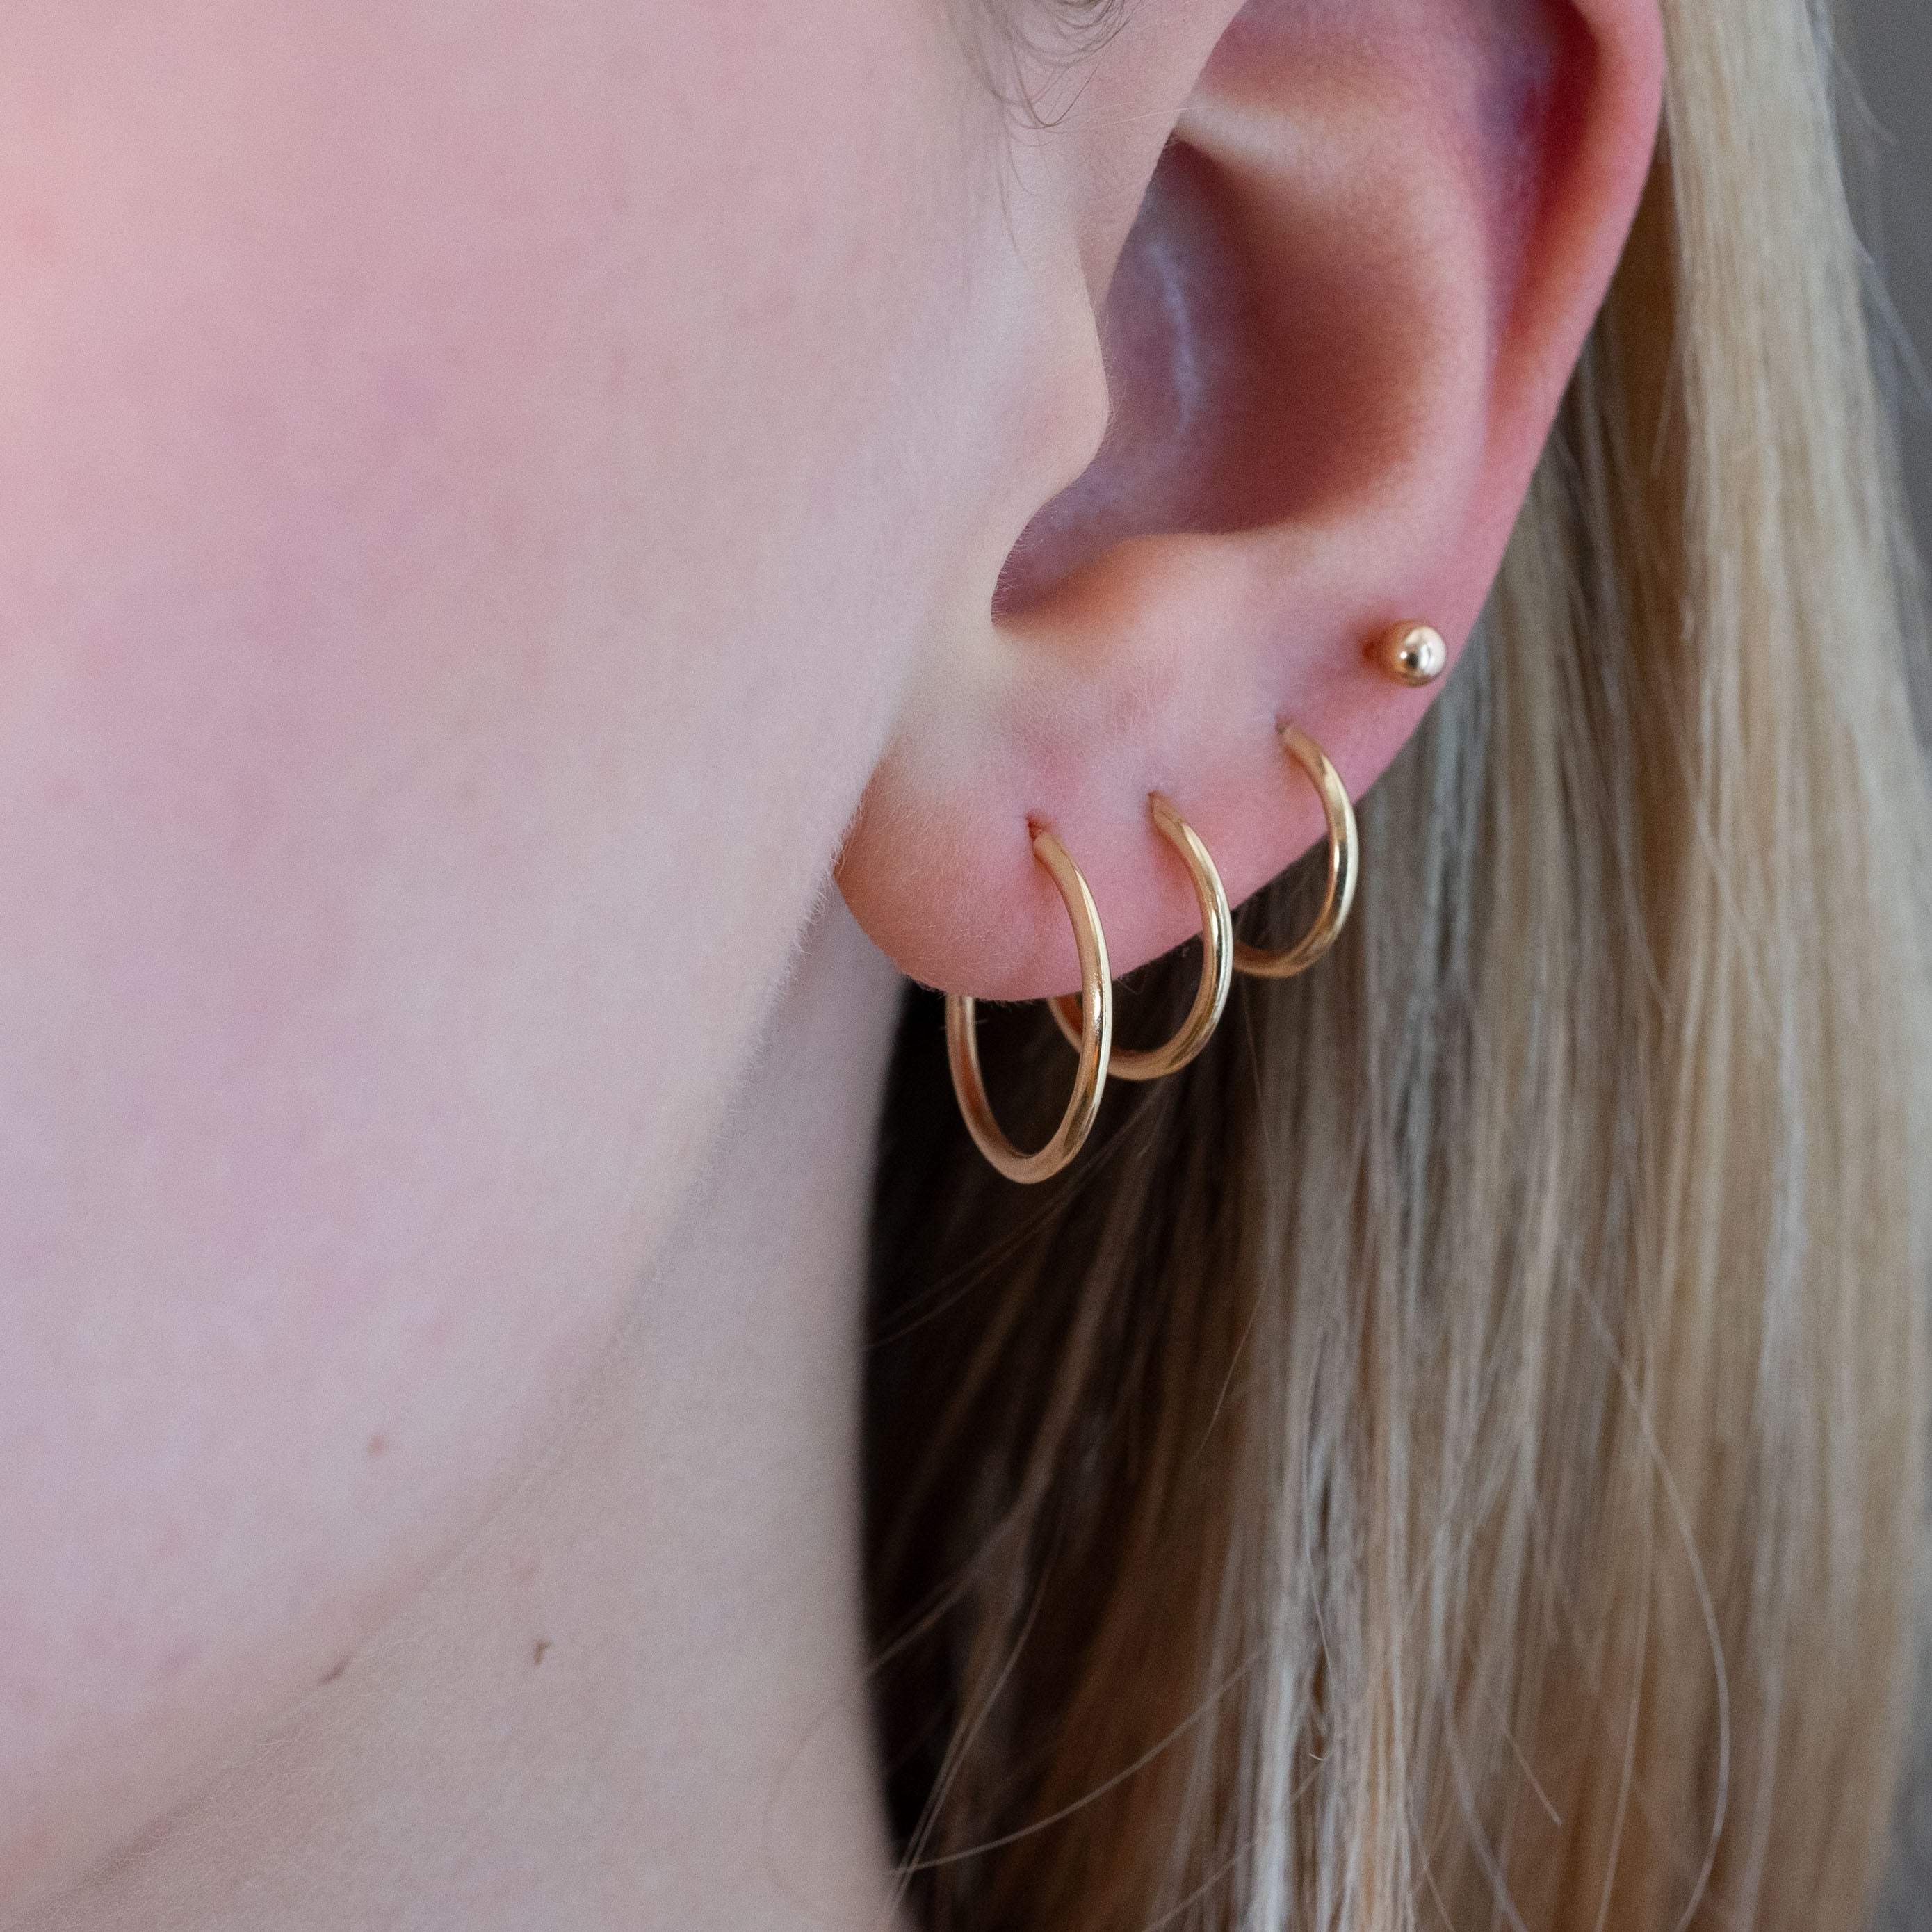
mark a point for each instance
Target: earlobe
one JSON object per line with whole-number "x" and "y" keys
{"x": 1368, "y": 256}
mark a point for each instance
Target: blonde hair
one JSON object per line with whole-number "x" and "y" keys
{"x": 1455, "y": 1458}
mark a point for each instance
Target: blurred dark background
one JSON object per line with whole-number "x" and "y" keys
{"x": 1888, "y": 53}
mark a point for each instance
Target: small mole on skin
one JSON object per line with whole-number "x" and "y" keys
{"x": 330, "y": 1676}
{"x": 377, "y": 1444}
{"x": 543, "y": 1649}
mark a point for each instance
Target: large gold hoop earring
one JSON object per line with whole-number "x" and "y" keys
{"x": 1342, "y": 867}
{"x": 1096, "y": 1039}
{"x": 1217, "y": 963}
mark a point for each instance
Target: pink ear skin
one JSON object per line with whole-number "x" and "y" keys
{"x": 1372, "y": 240}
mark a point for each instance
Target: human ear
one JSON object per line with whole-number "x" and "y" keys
{"x": 1372, "y": 239}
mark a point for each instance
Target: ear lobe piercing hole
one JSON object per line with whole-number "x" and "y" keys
{"x": 1217, "y": 962}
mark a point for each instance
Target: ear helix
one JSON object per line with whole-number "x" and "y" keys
{"x": 1217, "y": 962}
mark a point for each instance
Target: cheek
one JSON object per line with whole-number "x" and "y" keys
{"x": 412, "y": 607}
{"x": 448, "y": 613}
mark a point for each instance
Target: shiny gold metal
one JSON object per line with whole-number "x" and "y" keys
{"x": 1217, "y": 963}
{"x": 1096, "y": 1039}
{"x": 1411, "y": 654}
{"x": 1340, "y": 894}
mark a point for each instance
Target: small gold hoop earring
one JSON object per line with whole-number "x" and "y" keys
{"x": 1096, "y": 1039}
{"x": 1340, "y": 894}
{"x": 1217, "y": 963}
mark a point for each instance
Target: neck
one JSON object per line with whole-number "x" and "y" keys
{"x": 638, "y": 1699}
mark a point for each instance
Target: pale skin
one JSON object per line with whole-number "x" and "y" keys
{"x": 487, "y": 495}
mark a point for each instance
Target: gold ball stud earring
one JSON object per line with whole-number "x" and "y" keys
{"x": 1412, "y": 654}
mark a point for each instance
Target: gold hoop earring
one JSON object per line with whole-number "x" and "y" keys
{"x": 1340, "y": 894}
{"x": 1217, "y": 963}
{"x": 1096, "y": 1039}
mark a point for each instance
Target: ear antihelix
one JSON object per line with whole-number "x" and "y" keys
{"x": 1217, "y": 961}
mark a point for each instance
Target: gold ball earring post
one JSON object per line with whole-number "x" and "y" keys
{"x": 1411, "y": 654}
